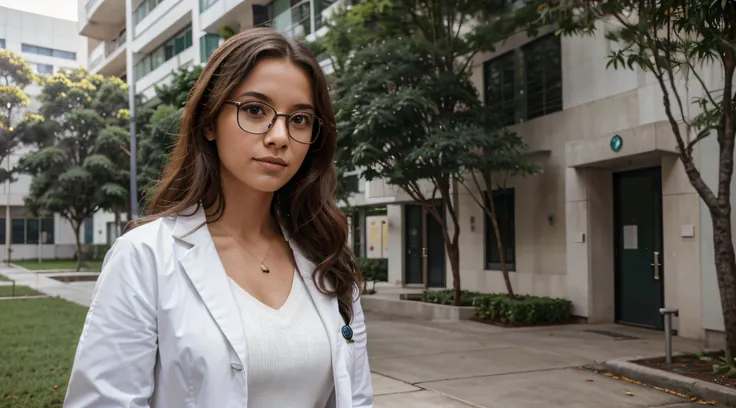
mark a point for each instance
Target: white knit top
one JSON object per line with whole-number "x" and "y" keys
{"x": 289, "y": 362}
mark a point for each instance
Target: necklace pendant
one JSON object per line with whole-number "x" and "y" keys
{"x": 265, "y": 269}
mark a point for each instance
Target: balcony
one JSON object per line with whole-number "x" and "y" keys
{"x": 161, "y": 22}
{"x": 100, "y": 19}
{"x": 236, "y": 14}
{"x": 163, "y": 74}
{"x": 108, "y": 58}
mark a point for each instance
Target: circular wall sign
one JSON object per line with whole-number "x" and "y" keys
{"x": 616, "y": 143}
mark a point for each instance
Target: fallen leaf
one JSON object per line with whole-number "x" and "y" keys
{"x": 608, "y": 374}
{"x": 9, "y": 397}
{"x": 56, "y": 386}
{"x": 681, "y": 395}
{"x": 462, "y": 356}
{"x": 693, "y": 399}
{"x": 588, "y": 380}
{"x": 630, "y": 394}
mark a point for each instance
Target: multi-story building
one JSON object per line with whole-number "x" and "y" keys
{"x": 47, "y": 44}
{"x": 611, "y": 223}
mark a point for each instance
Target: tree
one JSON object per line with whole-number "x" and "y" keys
{"x": 406, "y": 107}
{"x": 679, "y": 41}
{"x": 161, "y": 127}
{"x": 15, "y": 75}
{"x": 77, "y": 165}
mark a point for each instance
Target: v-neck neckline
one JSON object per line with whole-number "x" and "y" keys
{"x": 286, "y": 308}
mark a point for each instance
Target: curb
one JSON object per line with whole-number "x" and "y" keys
{"x": 626, "y": 367}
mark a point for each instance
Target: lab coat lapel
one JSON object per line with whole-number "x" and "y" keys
{"x": 204, "y": 268}
{"x": 328, "y": 310}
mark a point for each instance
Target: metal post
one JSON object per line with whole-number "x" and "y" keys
{"x": 667, "y": 312}
{"x": 130, "y": 74}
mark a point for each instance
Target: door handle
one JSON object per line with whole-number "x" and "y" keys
{"x": 656, "y": 265}
{"x": 424, "y": 252}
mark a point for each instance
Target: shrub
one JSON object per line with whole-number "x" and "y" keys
{"x": 446, "y": 297}
{"x": 373, "y": 270}
{"x": 523, "y": 310}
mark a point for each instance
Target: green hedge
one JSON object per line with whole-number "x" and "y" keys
{"x": 523, "y": 310}
{"x": 498, "y": 307}
{"x": 446, "y": 297}
{"x": 373, "y": 270}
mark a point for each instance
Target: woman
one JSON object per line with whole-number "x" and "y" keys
{"x": 238, "y": 290}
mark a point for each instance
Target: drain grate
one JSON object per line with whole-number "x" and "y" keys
{"x": 614, "y": 335}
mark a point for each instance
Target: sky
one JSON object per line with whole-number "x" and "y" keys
{"x": 65, "y": 9}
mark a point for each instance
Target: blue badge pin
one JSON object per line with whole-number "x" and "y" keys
{"x": 347, "y": 333}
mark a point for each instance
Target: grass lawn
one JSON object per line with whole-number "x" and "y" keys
{"x": 39, "y": 339}
{"x": 34, "y": 265}
{"x": 4, "y": 279}
{"x": 19, "y": 291}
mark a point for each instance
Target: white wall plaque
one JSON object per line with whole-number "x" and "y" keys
{"x": 631, "y": 237}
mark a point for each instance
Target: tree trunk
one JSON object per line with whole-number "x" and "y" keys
{"x": 453, "y": 251}
{"x": 77, "y": 227}
{"x": 726, "y": 272}
{"x": 499, "y": 244}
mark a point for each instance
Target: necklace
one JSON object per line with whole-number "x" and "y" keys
{"x": 264, "y": 268}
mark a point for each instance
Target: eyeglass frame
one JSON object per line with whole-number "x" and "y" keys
{"x": 288, "y": 116}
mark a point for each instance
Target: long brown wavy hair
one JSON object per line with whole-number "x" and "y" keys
{"x": 305, "y": 206}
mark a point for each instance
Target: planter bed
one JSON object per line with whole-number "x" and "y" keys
{"x": 417, "y": 309}
{"x": 695, "y": 366}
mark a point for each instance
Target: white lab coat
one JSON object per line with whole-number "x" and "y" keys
{"x": 164, "y": 329}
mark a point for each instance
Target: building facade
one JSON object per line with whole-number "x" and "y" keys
{"x": 47, "y": 44}
{"x": 611, "y": 223}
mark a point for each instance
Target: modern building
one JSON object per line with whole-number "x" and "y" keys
{"x": 612, "y": 223}
{"x": 47, "y": 44}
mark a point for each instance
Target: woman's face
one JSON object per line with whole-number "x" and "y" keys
{"x": 265, "y": 162}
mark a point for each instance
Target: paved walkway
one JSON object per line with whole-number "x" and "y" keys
{"x": 418, "y": 364}
{"x": 470, "y": 364}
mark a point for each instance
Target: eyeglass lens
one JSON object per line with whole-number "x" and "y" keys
{"x": 255, "y": 117}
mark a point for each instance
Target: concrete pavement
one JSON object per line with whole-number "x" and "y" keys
{"x": 469, "y": 364}
{"x": 454, "y": 364}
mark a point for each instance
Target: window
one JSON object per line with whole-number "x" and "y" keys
{"x": 25, "y": 231}
{"x": 526, "y": 83}
{"x": 50, "y": 52}
{"x": 144, "y": 9}
{"x": 32, "y": 231}
{"x": 89, "y": 230}
{"x": 2, "y": 43}
{"x": 171, "y": 48}
{"x": 18, "y": 231}
{"x": 47, "y": 231}
{"x": 543, "y": 76}
{"x": 503, "y": 201}
{"x": 205, "y": 4}
{"x": 208, "y": 43}
{"x": 44, "y": 69}
{"x": 500, "y": 92}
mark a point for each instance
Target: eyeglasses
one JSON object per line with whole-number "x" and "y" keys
{"x": 259, "y": 117}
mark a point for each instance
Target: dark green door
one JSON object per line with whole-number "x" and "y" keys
{"x": 425, "y": 248}
{"x": 435, "y": 251}
{"x": 413, "y": 239}
{"x": 638, "y": 247}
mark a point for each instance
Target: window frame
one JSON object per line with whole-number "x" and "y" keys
{"x": 489, "y": 236}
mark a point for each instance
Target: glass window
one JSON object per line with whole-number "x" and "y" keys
{"x": 47, "y": 231}
{"x": 543, "y": 69}
{"x": 44, "y": 69}
{"x": 89, "y": 230}
{"x": 2, "y": 43}
{"x": 503, "y": 201}
{"x": 500, "y": 92}
{"x": 34, "y": 49}
{"x": 2, "y": 231}
{"x": 163, "y": 53}
{"x": 18, "y": 233}
{"x": 32, "y": 231}
{"x": 208, "y": 43}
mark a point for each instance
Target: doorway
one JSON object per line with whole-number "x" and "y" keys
{"x": 638, "y": 260}
{"x": 424, "y": 257}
